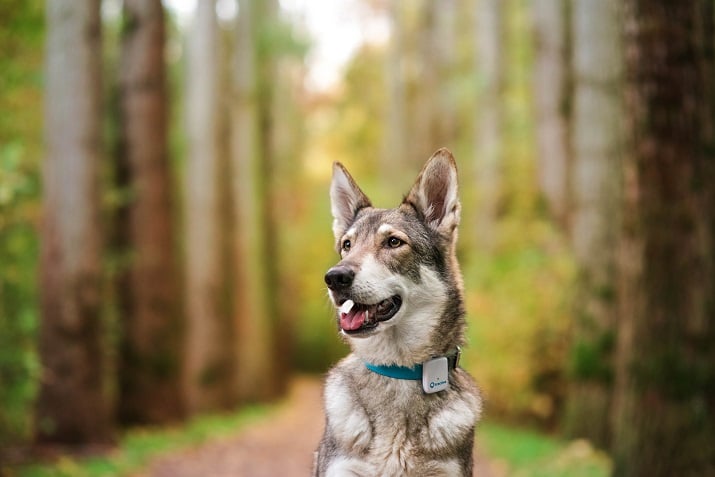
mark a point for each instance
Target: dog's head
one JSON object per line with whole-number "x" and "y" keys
{"x": 397, "y": 287}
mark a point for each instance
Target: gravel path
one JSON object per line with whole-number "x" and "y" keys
{"x": 280, "y": 446}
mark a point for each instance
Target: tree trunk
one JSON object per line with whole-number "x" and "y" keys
{"x": 149, "y": 366}
{"x": 395, "y": 154}
{"x": 444, "y": 50}
{"x": 596, "y": 140}
{"x": 71, "y": 406}
{"x": 488, "y": 138}
{"x": 665, "y": 404}
{"x": 208, "y": 371}
{"x": 254, "y": 360}
{"x": 272, "y": 110}
{"x": 425, "y": 85}
{"x": 552, "y": 90}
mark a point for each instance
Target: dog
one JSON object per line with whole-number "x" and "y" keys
{"x": 399, "y": 404}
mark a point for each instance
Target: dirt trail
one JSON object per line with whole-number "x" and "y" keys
{"x": 280, "y": 446}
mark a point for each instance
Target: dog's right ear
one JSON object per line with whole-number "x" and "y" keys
{"x": 435, "y": 193}
{"x": 346, "y": 199}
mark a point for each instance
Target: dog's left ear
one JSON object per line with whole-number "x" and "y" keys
{"x": 346, "y": 199}
{"x": 435, "y": 193}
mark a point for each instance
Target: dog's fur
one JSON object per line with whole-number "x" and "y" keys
{"x": 402, "y": 259}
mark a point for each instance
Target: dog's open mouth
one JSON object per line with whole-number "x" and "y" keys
{"x": 356, "y": 317}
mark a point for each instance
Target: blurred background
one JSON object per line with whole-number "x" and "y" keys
{"x": 165, "y": 225}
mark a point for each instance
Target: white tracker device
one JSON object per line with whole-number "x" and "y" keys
{"x": 435, "y": 375}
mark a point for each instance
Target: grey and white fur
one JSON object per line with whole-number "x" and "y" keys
{"x": 399, "y": 268}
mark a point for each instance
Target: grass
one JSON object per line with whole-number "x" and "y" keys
{"x": 512, "y": 452}
{"x": 518, "y": 452}
{"x": 138, "y": 447}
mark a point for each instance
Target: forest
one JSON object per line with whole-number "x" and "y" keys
{"x": 165, "y": 223}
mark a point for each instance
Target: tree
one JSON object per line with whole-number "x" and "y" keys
{"x": 149, "y": 369}
{"x": 423, "y": 48}
{"x": 72, "y": 406}
{"x": 279, "y": 125}
{"x": 664, "y": 400}
{"x": 552, "y": 90}
{"x": 254, "y": 363}
{"x": 394, "y": 156}
{"x": 489, "y": 62}
{"x": 208, "y": 327}
{"x": 596, "y": 142}
{"x": 444, "y": 56}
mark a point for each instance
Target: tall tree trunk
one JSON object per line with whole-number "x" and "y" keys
{"x": 488, "y": 138}
{"x": 425, "y": 85}
{"x": 72, "y": 406}
{"x": 149, "y": 381}
{"x": 552, "y": 93}
{"x": 434, "y": 114}
{"x": 596, "y": 189}
{"x": 445, "y": 64}
{"x": 254, "y": 360}
{"x": 208, "y": 371}
{"x": 286, "y": 146}
{"x": 271, "y": 111}
{"x": 665, "y": 399}
{"x": 395, "y": 153}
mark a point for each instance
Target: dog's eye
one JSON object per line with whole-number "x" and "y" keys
{"x": 346, "y": 245}
{"x": 394, "y": 242}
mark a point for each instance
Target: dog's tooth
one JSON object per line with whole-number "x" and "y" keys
{"x": 347, "y": 306}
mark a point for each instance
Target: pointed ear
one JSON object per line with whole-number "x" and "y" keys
{"x": 346, "y": 199}
{"x": 435, "y": 193}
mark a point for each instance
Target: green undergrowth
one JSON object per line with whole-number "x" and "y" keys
{"x": 515, "y": 452}
{"x": 138, "y": 447}
{"x": 510, "y": 451}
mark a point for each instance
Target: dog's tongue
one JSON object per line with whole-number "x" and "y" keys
{"x": 353, "y": 319}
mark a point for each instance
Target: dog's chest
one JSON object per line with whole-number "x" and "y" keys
{"x": 408, "y": 418}
{"x": 393, "y": 428}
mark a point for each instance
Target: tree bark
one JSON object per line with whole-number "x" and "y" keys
{"x": 72, "y": 406}
{"x": 425, "y": 85}
{"x": 665, "y": 404}
{"x": 274, "y": 108}
{"x": 254, "y": 365}
{"x": 149, "y": 369}
{"x": 596, "y": 141}
{"x": 395, "y": 154}
{"x": 444, "y": 50}
{"x": 552, "y": 94}
{"x": 488, "y": 138}
{"x": 208, "y": 369}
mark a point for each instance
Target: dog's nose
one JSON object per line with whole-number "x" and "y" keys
{"x": 339, "y": 278}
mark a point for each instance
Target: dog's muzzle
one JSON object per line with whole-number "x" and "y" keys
{"x": 357, "y": 318}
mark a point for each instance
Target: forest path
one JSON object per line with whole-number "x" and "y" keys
{"x": 281, "y": 445}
